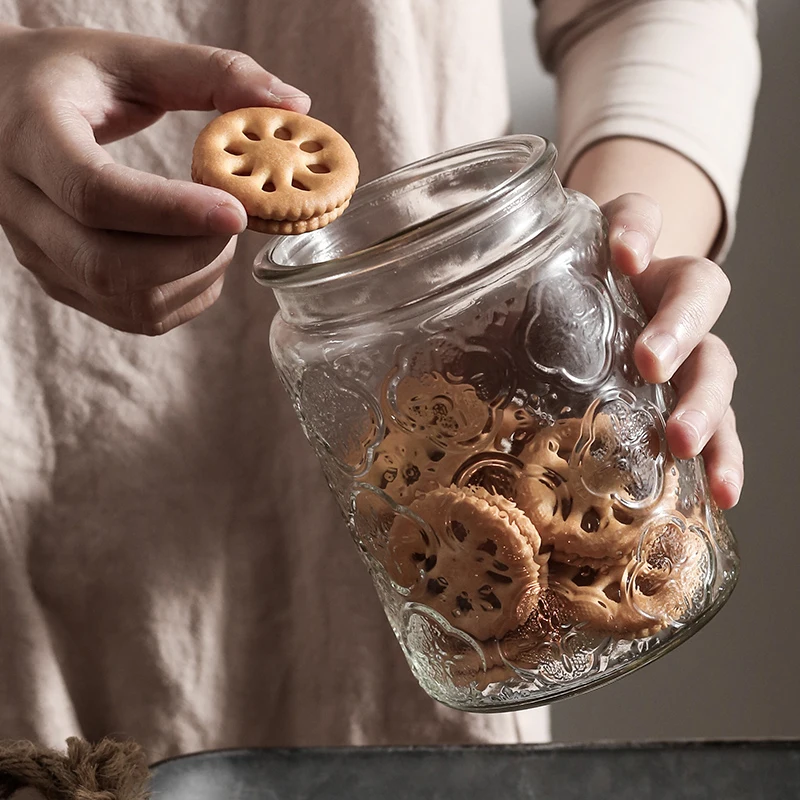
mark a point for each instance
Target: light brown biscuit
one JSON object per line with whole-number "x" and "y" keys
{"x": 292, "y": 173}
{"x": 524, "y": 648}
{"x": 662, "y": 583}
{"x": 576, "y": 524}
{"x": 598, "y": 598}
{"x": 517, "y": 428}
{"x": 475, "y": 560}
{"x": 670, "y": 569}
{"x": 406, "y": 465}
{"x": 552, "y": 446}
{"x": 429, "y": 405}
{"x": 583, "y": 528}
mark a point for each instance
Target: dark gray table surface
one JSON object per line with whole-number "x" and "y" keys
{"x": 691, "y": 770}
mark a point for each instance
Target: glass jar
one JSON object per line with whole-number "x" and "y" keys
{"x": 458, "y": 348}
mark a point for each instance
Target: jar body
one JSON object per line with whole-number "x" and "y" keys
{"x": 502, "y": 466}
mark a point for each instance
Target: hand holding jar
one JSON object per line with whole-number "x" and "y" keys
{"x": 684, "y": 297}
{"x": 471, "y": 363}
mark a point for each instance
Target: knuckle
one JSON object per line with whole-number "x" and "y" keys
{"x": 26, "y": 253}
{"x": 24, "y": 105}
{"x": 80, "y": 196}
{"x": 147, "y": 307}
{"x": 693, "y": 317}
{"x": 716, "y": 396}
{"x": 713, "y": 275}
{"x": 154, "y": 329}
{"x": 640, "y": 212}
{"x": 231, "y": 63}
{"x": 99, "y": 272}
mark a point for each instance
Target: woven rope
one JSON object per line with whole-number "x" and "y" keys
{"x": 107, "y": 770}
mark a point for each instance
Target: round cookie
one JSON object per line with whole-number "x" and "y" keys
{"x": 597, "y": 597}
{"x": 517, "y": 428}
{"x": 406, "y": 465}
{"x": 577, "y": 525}
{"x": 552, "y": 446}
{"x": 526, "y": 647}
{"x": 474, "y": 559}
{"x": 581, "y": 527}
{"x": 292, "y": 173}
{"x": 450, "y": 414}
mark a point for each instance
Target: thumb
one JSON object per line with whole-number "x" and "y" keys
{"x": 634, "y": 225}
{"x": 182, "y": 76}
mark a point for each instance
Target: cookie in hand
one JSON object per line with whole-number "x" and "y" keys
{"x": 292, "y": 173}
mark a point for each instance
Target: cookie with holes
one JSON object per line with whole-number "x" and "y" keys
{"x": 523, "y": 648}
{"x": 451, "y": 414}
{"x": 292, "y": 173}
{"x": 577, "y": 525}
{"x": 517, "y": 429}
{"x": 598, "y": 597}
{"x": 668, "y": 575}
{"x": 406, "y": 465}
{"x": 583, "y": 528}
{"x": 471, "y": 556}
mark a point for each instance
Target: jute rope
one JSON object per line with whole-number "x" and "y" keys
{"x": 107, "y": 770}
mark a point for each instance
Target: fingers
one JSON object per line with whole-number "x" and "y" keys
{"x": 118, "y": 81}
{"x": 634, "y": 225}
{"x": 151, "y": 312}
{"x": 686, "y": 295}
{"x": 146, "y": 327}
{"x": 705, "y": 385}
{"x": 724, "y": 460}
{"x": 180, "y": 76}
{"x": 76, "y": 174}
{"x": 166, "y": 75}
{"x": 109, "y": 263}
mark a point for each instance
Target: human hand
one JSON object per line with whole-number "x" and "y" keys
{"x": 684, "y": 297}
{"x": 136, "y": 251}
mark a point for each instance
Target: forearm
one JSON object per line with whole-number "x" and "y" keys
{"x": 683, "y": 73}
{"x": 691, "y": 206}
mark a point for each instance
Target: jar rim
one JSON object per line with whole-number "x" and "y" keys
{"x": 270, "y": 267}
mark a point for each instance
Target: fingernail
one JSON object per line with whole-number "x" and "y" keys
{"x": 637, "y": 244}
{"x": 697, "y": 423}
{"x": 283, "y": 91}
{"x": 664, "y": 347}
{"x": 226, "y": 218}
{"x": 734, "y": 480}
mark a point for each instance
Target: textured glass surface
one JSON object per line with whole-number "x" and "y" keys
{"x": 470, "y": 391}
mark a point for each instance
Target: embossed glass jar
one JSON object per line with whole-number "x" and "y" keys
{"x": 458, "y": 348}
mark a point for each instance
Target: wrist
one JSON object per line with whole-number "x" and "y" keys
{"x": 690, "y": 204}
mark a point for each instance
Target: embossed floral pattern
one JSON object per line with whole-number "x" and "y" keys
{"x": 327, "y": 399}
{"x": 621, "y": 450}
{"x": 571, "y": 328}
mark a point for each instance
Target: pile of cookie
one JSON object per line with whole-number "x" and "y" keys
{"x": 518, "y": 553}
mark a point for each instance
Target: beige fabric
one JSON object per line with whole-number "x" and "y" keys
{"x": 172, "y": 566}
{"x": 683, "y": 73}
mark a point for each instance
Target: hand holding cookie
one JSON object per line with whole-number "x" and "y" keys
{"x": 133, "y": 250}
